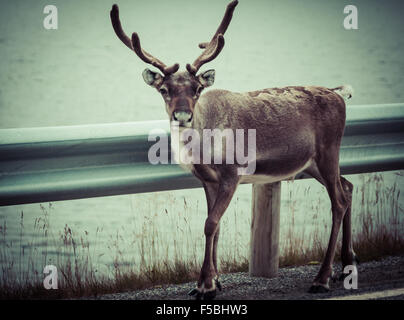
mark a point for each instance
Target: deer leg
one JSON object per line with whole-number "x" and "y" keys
{"x": 211, "y": 191}
{"x": 214, "y": 253}
{"x": 327, "y": 173}
{"x": 348, "y": 256}
{"x": 206, "y": 284}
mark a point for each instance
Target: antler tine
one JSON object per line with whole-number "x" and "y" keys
{"x": 116, "y": 24}
{"x": 215, "y": 46}
{"x": 134, "y": 44}
{"x": 148, "y": 58}
{"x": 228, "y": 15}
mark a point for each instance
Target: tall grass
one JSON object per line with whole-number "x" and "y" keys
{"x": 164, "y": 247}
{"x": 377, "y": 225}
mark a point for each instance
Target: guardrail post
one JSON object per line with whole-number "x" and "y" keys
{"x": 264, "y": 251}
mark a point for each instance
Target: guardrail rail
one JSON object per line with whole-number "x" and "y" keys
{"x": 72, "y": 162}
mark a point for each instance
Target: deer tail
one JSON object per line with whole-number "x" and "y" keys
{"x": 345, "y": 91}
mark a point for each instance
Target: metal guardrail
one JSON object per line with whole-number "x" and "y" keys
{"x": 73, "y": 162}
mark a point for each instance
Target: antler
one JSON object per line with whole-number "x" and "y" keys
{"x": 134, "y": 44}
{"x": 213, "y": 48}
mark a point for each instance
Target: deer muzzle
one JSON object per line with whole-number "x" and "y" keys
{"x": 183, "y": 117}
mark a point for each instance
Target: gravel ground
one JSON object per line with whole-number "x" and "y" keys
{"x": 291, "y": 284}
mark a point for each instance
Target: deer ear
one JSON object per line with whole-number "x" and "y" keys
{"x": 207, "y": 78}
{"x": 151, "y": 78}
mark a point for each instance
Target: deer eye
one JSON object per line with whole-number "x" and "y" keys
{"x": 163, "y": 91}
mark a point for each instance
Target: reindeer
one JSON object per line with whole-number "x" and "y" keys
{"x": 298, "y": 129}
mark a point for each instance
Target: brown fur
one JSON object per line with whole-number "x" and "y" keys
{"x": 298, "y": 128}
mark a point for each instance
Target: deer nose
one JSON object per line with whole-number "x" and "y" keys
{"x": 182, "y": 116}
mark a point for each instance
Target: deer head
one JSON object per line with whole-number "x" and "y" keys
{"x": 180, "y": 90}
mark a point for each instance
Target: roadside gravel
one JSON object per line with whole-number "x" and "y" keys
{"x": 292, "y": 283}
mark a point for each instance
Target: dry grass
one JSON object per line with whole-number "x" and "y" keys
{"x": 158, "y": 261}
{"x": 375, "y": 212}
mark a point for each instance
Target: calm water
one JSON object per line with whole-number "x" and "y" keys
{"x": 169, "y": 225}
{"x": 82, "y": 74}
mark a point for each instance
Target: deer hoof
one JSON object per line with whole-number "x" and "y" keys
{"x": 218, "y": 284}
{"x": 207, "y": 295}
{"x": 318, "y": 288}
{"x": 210, "y": 295}
{"x": 355, "y": 262}
{"x": 196, "y": 293}
{"x": 201, "y": 292}
{"x": 193, "y": 292}
{"x": 342, "y": 277}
